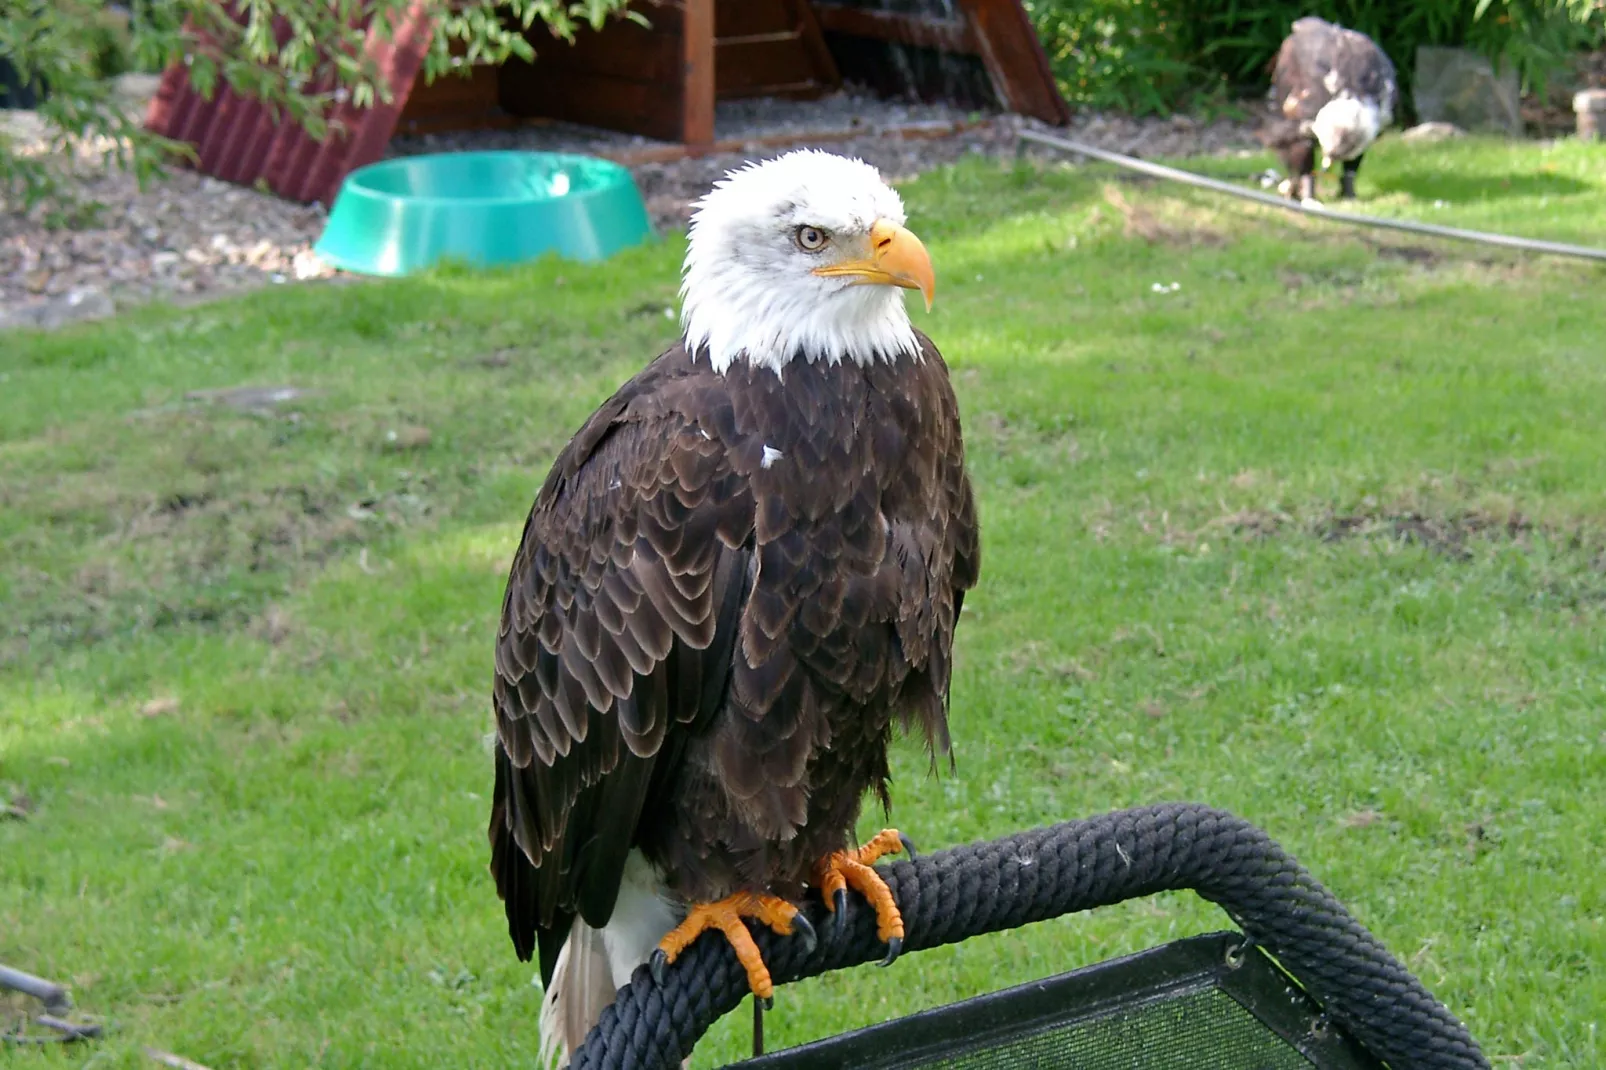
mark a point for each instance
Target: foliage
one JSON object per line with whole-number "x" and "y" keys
{"x": 245, "y": 655}
{"x": 1155, "y": 55}
{"x": 300, "y": 57}
{"x": 1121, "y": 55}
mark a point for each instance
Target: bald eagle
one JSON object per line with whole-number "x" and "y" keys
{"x": 1333, "y": 89}
{"x": 743, "y": 569}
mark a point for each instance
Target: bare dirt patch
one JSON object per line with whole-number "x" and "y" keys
{"x": 1142, "y": 222}
{"x": 1450, "y": 534}
{"x": 204, "y": 556}
{"x": 1034, "y": 657}
{"x": 1411, "y": 254}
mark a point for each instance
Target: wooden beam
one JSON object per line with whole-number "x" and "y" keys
{"x": 626, "y": 77}
{"x": 697, "y": 73}
{"x": 944, "y": 35}
{"x": 753, "y": 67}
{"x": 1015, "y": 59}
{"x": 456, "y": 102}
{"x": 776, "y": 38}
{"x": 808, "y": 28}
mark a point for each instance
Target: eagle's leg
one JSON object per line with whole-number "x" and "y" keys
{"x": 1299, "y": 161}
{"x": 844, "y": 869}
{"x": 726, "y": 915}
{"x": 1347, "y": 179}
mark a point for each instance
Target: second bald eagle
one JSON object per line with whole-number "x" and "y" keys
{"x": 1333, "y": 92}
{"x": 741, "y": 571}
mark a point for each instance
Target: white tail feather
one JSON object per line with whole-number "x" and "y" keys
{"x": 582, "y": 986}
{"x": 595, "y": 963}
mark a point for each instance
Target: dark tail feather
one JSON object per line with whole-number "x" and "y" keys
{"x": 516, "y": 878}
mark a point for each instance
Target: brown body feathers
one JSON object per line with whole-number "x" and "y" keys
{"x": 729, "y": 588}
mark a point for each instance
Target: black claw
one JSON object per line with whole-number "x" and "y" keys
{"x": 801, "y": 926}
{"x": 768, "y": 1002}
{"x": 658, "y": 964}
{"x": 908, "y": 846}
{"x": 840, "y": 909}
{"x": 894, "y": 949}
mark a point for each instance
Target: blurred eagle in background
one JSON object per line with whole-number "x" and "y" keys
{"x": 1333, "y": 92}
{"x": 741, "y": 571}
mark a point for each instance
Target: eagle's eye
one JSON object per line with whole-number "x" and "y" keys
{"x": 810, "y": 239}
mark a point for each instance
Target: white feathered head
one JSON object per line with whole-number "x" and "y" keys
{"x": 804, "y": 255}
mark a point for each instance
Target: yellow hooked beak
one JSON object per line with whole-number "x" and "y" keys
{"x": 896, "y": 259}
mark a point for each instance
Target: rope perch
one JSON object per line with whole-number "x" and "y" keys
{"x": 953, "y": 895}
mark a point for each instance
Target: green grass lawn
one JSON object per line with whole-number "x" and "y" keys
{"x": 1318, "y": 536}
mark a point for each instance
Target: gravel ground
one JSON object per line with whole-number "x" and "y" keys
{"x": 187, "y": 236}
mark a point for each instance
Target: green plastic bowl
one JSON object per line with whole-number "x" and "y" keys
{"x": 404, "y": 215}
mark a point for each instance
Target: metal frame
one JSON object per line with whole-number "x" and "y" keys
{"x": 1220, "y": 961}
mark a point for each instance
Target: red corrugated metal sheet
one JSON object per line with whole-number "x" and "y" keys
{"x": 238, "y": 140}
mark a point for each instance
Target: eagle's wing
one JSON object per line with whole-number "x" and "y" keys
{"x": 618, "y": 623}
{"x": 1300, "y": 83}
{"x": 949, "y": 540}
{"x": 1366, "y": 71}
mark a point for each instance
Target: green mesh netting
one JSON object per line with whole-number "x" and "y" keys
{"x": 1196, "y": 1031}
{"x": 1202, "y": 1003}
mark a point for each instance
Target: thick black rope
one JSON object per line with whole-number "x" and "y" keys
{"x": 956, "y": 894}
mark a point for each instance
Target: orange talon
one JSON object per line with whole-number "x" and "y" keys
{"x": 844, "y": 869}
{"x": 726, "y": 916}
{"x": 885, "y": 842}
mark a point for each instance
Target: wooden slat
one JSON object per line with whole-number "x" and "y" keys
{"x": 944, "y": 35}
{"x": 220, "y": 129}
{"x": 247, "y": 144}
{"x": 766, "y": 48}
{"x": 744, "y": 18}
{"x": 472, "y": 95}
{"x": 1016, "y": 62}
{"x": 457, "y": 102}
{"x": 748, "y": 69}
{"x": 808, "y": 28}
{"x": 773, "y": 38}
{"x": 624, "y": 77}
{"x": 623, "y": 49}
{"x": 452, "y": 122}
{"x": 809, "y": 90}
{"x": 697, "y": 80}
{"x": 646, "y": 108}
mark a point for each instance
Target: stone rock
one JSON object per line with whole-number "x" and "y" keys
{"x": 134, "y": 91}
{"x": 1433, "y": 132}
{"x": 1590, "y": 107}
{"x": 306, "y": 264}
{"x": 1456, "y": 85}
{"x": 249, "y": 398}
{"x": 74, "y": 306}
{"x": 407, "y": 438}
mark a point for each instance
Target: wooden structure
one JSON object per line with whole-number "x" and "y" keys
{"x": 239, "y": 140}
{"x": 660, "y": 81}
